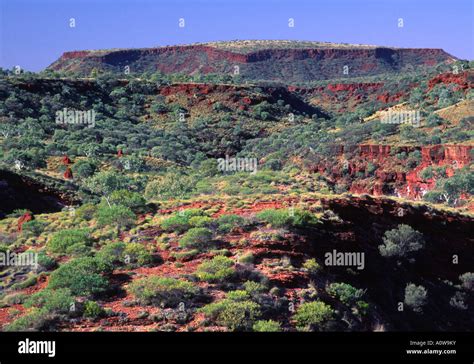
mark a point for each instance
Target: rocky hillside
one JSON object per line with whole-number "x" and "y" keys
{"x": 283, "y": 61}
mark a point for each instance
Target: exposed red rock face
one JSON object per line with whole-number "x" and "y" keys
{"x": 75, "y": 54}
{"x": 352, "y": 87}
{"x": 464, "y": 80}
{"x": 388, "y": 179}
{"x": 286, "y": 63}
{"x": 374, "y": 151}
{"x": 24, "y": 218}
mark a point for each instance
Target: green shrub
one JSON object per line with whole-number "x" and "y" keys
{"x": 92, "y": 309}
{"x": 162, "y": 291}
{"x": 183, "y": 220}
{"x": 14, "y": 299}
{"x": 133, "y": 200}
{"x": 235, "y": 315}
{"x": 34, "y": 320}
{"x": 35, "y": 227}
{"x": 226, "y": 223}
{"x": 254, "y": 288}
{"x": 45, "y": 261}
{"x": 112, "y": 253}
{"x": 313, "y": 313}
{"x": 401, "y": 241}
{"x": 83, "y": 276}
{"x": 116, "y": 215}
{"x": 170, "y": 186}
{"x": 136, "y": 255}
{"x": 247, "y": 258}
{"x": 52, "y": 300}
{"x": 238, "y": 295}
{"x": 176, "y": 223}
{"x": 415, "y": 297}
{"x": 467, "y": 280}
{"x": 28, "y": 282}
{"x": 184, "y": 255}
{"x": 196, "y": 238}
{"x": 346, "y": 293}
{"x": 200, "y": 221}
{"x": 67, "y": 241}
{"x": 267, "y": 326}
{"x": 287, "y": 218}
{"x": 311, "y": 266}
{"x": 217, "y": 269}
{"x": 83, "y": 169}
{"x": 362, "y": 307}
{"x": 86, "y": 212}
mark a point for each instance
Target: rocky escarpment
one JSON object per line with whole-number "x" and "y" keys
{"x": 289, "y": 64}
{"x": 21, "y": 192}
{"x": 390, "y": 175}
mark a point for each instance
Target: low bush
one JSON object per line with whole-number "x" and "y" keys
{"x": 287, "y": 218}
{"x": 136, "y": 255}
{"x": 162, "y": 291}
{"x": 176, "y": 223}
{"x": 467, "y": 280}
{"x": 116, "y": 215}
{"x": 235, "y": 315}
{"x": 112, "y": 253}
{"x": 196, "y": 238}
{"x": 200, "y": 221}
{"x": 92, "y": 310}
{"x": 46, "y": 261}
{"x": 247, "y": 258}
{"x": 267, "y": 326}
{"x": 254, "y": 288}
{"x": 345, "y": 293}
{"x": 52, "y": 300}
{"x": 35, "y": 227}
{"x": 310, "y": 314}
{"x": 34, "y": 320}
{"x": 226, "y": 223}
{"x": 217, "y": 269}
{"x": 83, "y": 276}
{"x": 68, "y": 241}
{"x": 311, "y": 266}
{"x": 184, "y": 255}
{"x": 86, "y": 212}
{"x": 132, "y": 200}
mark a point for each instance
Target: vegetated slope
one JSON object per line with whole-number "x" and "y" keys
{"x": 288, "y": 62}
{"x": 268, "y": 267}
{"x": 334, "y": 130}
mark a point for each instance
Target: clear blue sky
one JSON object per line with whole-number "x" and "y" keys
{"x": 33, "y": 33}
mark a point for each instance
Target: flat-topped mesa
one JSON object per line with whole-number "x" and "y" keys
{"x": 273, "y": 61}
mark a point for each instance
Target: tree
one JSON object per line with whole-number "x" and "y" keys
{"x": 401, "y": 241}
{"x": 117, "y": 215}
{"x": 83, "y": 169}
{"x": 106, "y": 182}
{"x": 415, "y": 297}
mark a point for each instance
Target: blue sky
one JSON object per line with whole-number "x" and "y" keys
{"x": 33, "y": 33}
